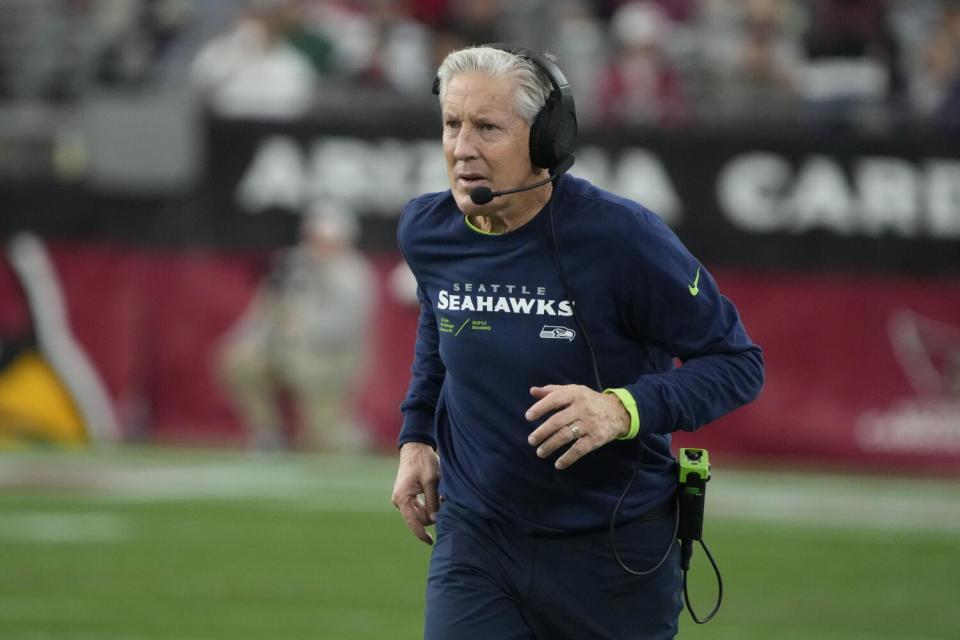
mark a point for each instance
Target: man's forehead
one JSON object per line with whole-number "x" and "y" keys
{"x": 480, "y": 94}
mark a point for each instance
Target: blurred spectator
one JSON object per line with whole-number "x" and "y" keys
{"x": 935, "y": 86}
{"x": 676, "y": 11}
{"x": 853, "y": 60}
{"x": 665, "y": 62}
{"x": 475, "y": 21}
{"x": 253, "y": 71}
{"x": 679, "y": 11}
{"x": 532, "y": 23}
{"x": 579, "y": 41}
{"x": 349, "y": 34}
{"x": 303, "y": 336}
{"x": 402, "y": 60}
{"x": 50, "y": 48}
{"x": 139, "y": 37}
{"x": 428, "y": 12}
{"x": 756, "y": 77}
{"x": 316, "y": 45}
{"x": 445, "y": 40}
{"x": 639, "y": 85}
{"x": 464, "y": 23}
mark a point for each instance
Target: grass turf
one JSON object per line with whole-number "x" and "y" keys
{"x": 197, "y": 546}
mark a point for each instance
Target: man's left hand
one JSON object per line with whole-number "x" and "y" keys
{"x": 581, "y": 415}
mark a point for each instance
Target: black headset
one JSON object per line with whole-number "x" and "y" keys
{"x": 554, "y": 129}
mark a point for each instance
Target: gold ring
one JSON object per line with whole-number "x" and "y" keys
{"x": 575, "y": 430}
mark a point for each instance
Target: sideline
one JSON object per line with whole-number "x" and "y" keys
{"x": 363, "y": 484}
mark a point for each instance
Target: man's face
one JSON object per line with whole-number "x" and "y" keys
{"x": 485, "y": 142}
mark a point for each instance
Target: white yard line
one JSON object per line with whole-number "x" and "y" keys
{"x": 806, "y": 506}
{"x": 64, "y": 528}
{"x": 906, "y": 504}
{"x": 364, "y": 484}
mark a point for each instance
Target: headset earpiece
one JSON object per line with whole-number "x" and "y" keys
{"x": 552, "y": 136}
{"x": 554, "y": 130}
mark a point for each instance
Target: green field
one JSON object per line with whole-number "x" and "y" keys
{"x": 203, "y": 546}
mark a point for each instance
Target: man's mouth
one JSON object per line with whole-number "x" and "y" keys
{"x": 471, "y": 180}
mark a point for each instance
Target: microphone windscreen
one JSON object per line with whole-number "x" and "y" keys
{"x": 481, "y": 195}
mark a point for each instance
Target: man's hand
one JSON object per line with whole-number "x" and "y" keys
{"x": 418, "y": 475}
{"x": 590, "y": 418}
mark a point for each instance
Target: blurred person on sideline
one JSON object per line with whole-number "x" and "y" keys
{"x": 757, "y": 73}
{"x": 252, "y": 70}
{"x": 476, "y": 21}
{"x": 376, "y": 44}
{"x": 639, "y": 84}
{"x": 303, "y": 336}
{"x": 580, "y": 39}
{"x": 543, "y": 378}
{"x": 853, "y": 71}
{"x": 935, "y": 85}
{"x": 403, "y": 55}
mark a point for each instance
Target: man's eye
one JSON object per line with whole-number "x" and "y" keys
{"x": 452, "y": 124}
{"x": 487, "y": 127}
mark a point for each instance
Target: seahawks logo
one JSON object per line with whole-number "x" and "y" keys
{"x": 552, "y": 332}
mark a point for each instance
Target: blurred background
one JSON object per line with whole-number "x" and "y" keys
{"x": 206, "y": 327}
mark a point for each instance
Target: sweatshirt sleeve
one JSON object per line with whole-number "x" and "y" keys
{"x": 420, "y": 405}
{"x": 673, "y": 301}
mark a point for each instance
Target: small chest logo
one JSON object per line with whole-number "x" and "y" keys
{"x": 552, "y": 332}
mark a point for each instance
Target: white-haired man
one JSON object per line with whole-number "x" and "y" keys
{"x": 543, "y": 373}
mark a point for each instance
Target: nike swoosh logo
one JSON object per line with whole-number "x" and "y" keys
{"x": 694, "y": 288}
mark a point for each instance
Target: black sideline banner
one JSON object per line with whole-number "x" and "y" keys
{"x": 829, "y": 201}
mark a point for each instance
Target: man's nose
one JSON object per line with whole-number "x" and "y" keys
{"x": 466, "y": 147}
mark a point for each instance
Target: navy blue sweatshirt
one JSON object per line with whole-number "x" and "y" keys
{"x": 495, "y": 320}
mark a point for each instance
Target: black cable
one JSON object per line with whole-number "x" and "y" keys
{"x": 686, "y": 596}
{"x": 613, "y": 537}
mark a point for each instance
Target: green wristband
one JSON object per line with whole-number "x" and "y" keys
{"x": 631, "y": 406}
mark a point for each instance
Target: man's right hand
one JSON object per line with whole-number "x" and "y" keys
{"x": 418, "y": 474}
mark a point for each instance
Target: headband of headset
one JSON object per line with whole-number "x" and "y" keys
{"x": 553, "y": 132}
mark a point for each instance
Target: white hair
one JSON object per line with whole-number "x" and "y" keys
{"x": 533, "y": 87}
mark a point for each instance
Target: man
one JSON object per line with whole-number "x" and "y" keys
{"x": 543, "y": 373}
{"x": 302, "y": 336}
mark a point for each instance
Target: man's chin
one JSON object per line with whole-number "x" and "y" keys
{"x": 465, "y": 204}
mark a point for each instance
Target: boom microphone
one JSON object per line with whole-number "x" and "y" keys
{"x": 483, "y": 195}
